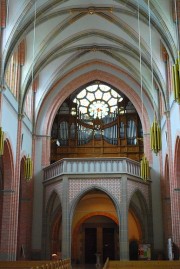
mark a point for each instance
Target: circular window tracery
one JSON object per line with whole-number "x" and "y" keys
{"x": 97, "y": 101}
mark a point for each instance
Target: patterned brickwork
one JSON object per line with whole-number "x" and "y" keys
{"x": 22, "y": 52}
{"x": 7, "y": 248}
{"x": 57, "y": 187}
{"x": 166, "y": 203}
{"x": 45, "y": 151}
{"x": 3, "y": 13}
{"x": 133, "y": 186}
{"x": 175, "y": 195}
{"x": 79, "y": 186}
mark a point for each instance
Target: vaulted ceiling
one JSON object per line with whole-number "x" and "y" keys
{"x": 66, "y": 39}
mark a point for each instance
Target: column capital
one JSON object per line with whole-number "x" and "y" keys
{"x": 20, "y": 116}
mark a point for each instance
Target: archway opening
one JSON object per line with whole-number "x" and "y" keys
{"x": 95, "y": 229}
{"x": 95, "y": 121}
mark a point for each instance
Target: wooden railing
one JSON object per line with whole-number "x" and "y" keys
{"x": 142, "y": 264}
{"x": 91, "y": 166}
{"x": 61, "y": 264}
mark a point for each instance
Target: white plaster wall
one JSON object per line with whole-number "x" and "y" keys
{"x": 10, "y": 125}
{"x": 175, "y": 124}
{"x": 26, "y": 145}
{"x": 38, "y": 197}
{"x": 13, "y": 8}
{"x": 10, "y": 119}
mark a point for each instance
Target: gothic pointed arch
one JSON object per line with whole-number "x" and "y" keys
{"x": 25, "y": 213}
{"x": 52, "y": 226}
{"x": 7, "y": 174}
{"x": 141, "y": 212}
{"x": 93, "y": 121}
{"x": 166, "y": 203}
{"x": 176, "y": 190}
{"x": 94, "y": 215}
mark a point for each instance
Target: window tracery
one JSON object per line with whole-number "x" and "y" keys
{"x": 97, "y": 114}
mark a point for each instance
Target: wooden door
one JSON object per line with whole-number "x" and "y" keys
{"x": 90, "y": 245}
{"x": 108, "y": 244}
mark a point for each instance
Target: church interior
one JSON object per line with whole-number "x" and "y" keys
{"x": 89, "y": 130}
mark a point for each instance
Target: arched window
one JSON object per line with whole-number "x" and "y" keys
{"x": 97, "y": 120}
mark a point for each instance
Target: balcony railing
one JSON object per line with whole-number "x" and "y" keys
{"x": 92, "y": 166}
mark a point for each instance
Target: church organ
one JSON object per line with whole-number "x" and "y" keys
{"x": 97, "y": 121}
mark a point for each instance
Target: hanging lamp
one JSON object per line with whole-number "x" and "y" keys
{"x": 176, "y": 80}
{"x": 144, "y": 169}
{"x": 155, "y": 131}
{"x": 176, "y": 66}
{"x": 1, "y": 141}
{"x": 144, "y": 164}
{"x": 28, "y": 169}
{"x": 155, "y": 135}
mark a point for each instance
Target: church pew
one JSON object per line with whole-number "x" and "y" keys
{"x": 142, "y": 265}
{"x": 25, "y": 264}
{"x": 60, "y": 264}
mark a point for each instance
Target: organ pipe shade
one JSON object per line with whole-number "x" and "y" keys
{"x": 155, "y": 136}
{"x": 144, "y": 169}
{"x": 28, "y": 169}
{"x": 1, "y": 141}
{"x": 176, "y": 80}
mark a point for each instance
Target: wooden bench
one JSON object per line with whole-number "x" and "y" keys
{"x": 142, "y": 265}
{"x": 61, "y": 264}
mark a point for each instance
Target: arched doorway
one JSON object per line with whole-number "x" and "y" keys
{"x": 95, "y": 229}
{"x": 100, "y": 236}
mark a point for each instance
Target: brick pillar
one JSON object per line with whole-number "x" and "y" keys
{"x": 124, "y": 242}
{"x": 10, "y": 201}
{"x": 7, "y": 210}
{"x": 174, "y": 196}
{"x": 66, "y": 234}
{"x": 1, "y": 95}
{"x": 15, "y": 200}
{"x": 2, "y": 26}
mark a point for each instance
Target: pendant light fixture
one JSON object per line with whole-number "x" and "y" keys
{"x": 155, "y": 134}
{"x": 1, "y": 141}
{"x": 176, "y": 66}
{"x": 155, "y": 131}
{"x": 144, "y": 164}
{"x": 176, "y": 80}
{"x": 28, "y": 169}
{"x": 144, "y": 169}
{"x": 28, "y": 165}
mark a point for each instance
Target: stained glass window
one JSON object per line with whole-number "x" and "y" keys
{"x": 97, "y": 101}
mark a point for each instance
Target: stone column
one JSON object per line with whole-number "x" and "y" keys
{"x": 66, "y": 234}
{"x": 124, "y": 242}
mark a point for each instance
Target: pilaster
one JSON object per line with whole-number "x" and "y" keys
{"x": 66, "y": 240}
{"x": 124, "y": 242}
